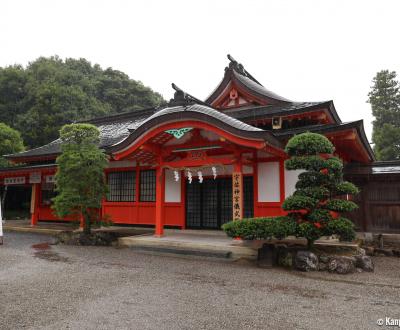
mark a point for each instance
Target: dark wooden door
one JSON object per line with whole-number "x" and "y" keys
{"x": 209, "y": 204}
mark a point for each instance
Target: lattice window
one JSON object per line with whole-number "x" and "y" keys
{"x": 122, "y": 186}
{"x": 148, "y": 186}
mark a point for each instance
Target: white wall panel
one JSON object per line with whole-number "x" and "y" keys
{"x": 291, "y": 178}
{"x": 172, "y": 187}
{"x": 268, "y": 182}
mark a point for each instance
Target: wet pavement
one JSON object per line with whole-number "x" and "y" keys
{"x": 45, "y": 286}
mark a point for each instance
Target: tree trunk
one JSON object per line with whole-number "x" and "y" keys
{"x": 3, "y": 199}
{"x": 86, "y": 223}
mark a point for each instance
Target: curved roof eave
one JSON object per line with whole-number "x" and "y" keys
{"x": 214, "y": 117}
{"x": 358, "y": 125}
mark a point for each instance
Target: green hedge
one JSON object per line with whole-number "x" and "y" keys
{"x": 281, "y": 227}
{"x": 261, "y": 228}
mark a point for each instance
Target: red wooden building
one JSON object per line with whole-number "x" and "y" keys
{"x": 198, "y": 164}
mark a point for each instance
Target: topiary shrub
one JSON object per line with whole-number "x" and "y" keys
{"x": 314, "y": 208}
{"x": 316, "y": 203}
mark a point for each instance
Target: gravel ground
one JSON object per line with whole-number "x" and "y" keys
{"x": 71, "y": 287}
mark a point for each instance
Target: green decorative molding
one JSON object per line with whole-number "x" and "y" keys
{"x": 179, "y": 132}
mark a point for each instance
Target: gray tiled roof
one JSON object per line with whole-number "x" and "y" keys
{"x": 198, "y": 108}
{"x": 258, "y": 88}
{"x": 113, "y": 129}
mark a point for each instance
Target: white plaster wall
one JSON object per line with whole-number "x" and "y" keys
{"x": 291, "y": 178}
{"x": 268, "y": 182}
{"x": 172, "y": 187}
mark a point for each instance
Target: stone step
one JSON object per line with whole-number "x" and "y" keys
{"x": 190, "y": 247}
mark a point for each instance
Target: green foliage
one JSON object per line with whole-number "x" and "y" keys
{"x": 314, "y": 205}
{"x": 387, "y": 142}
{"x": 309, "y": 144}
{"x": 309, "y": 163}
{"x": 342, "y": 227}
{"x": 49, "y": 92}
{"x": 80, "y": 180}
{"x": 316, "y": 193}
{"x": 308, "y": 230}
{"x": 298, "y": 202}
{"x": 384, "y": 98}
{"x": 346, "y": 187}
{"x": 319, "y": 215}
{"x": 340, "y": 205}
{"x": 260, "y": 228}
{"x": 10, "y": 142}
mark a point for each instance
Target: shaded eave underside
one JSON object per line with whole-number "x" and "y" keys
{"x": 264, "y": 112}
{"x": 324, "y": 129}
{"x": 378, "y": 168}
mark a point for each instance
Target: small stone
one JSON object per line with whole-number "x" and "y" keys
{"x": 332, "y": 265}
{"x": 342, "y": 265}
{"x": 324, "y": 258}
{"x": 322, "y": 266}
{"x": 365, "y": 263}
{"x": 359, "y": 270}
{"x": 369, "y": 250}
{"x": 285, "y": 258}
{"x": 361, "y": 251}
{"x": 306, "y": 261}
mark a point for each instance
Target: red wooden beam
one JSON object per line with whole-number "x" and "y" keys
{"x": 252, "y": 143}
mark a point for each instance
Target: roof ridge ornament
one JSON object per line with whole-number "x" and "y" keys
{"x": 239, "y": 68}
{"x": 181, "y": 98}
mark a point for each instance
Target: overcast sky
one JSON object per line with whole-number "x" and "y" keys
{"x": 303, "y": 50}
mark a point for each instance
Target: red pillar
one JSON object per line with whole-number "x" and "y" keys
{"x": 160, "y": 186}
{"x": 35, "y": 198}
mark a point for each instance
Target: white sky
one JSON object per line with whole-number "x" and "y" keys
{"x": 303, "y": 50}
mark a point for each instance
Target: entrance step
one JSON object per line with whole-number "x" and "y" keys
{"x": 186, "y": 252}
{"x": 206, "y": 246}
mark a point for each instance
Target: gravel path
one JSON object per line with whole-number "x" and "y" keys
{"x": 68, "y": 287}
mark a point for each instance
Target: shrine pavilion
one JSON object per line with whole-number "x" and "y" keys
{"x": 197, "y": 164}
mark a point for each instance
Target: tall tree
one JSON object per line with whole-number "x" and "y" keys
{"x": 80, "y": 180}
{"x": 50, "y": 92}
{"x": 10, "y": 142}
{"x": 384, "y": 98}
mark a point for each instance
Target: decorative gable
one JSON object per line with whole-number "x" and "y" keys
{"x": 234, "y": 97}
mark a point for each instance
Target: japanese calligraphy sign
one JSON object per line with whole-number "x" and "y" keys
{"x": 35, "y": 177}
{"x": 14, "y": 180}
{"x": 237, "y": 195}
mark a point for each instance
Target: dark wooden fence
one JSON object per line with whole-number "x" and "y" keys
{"x": 379, "y": 200}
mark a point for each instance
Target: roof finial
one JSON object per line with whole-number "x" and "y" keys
{"x": 230, "y": 58}
{"x": 182, "y": 98}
